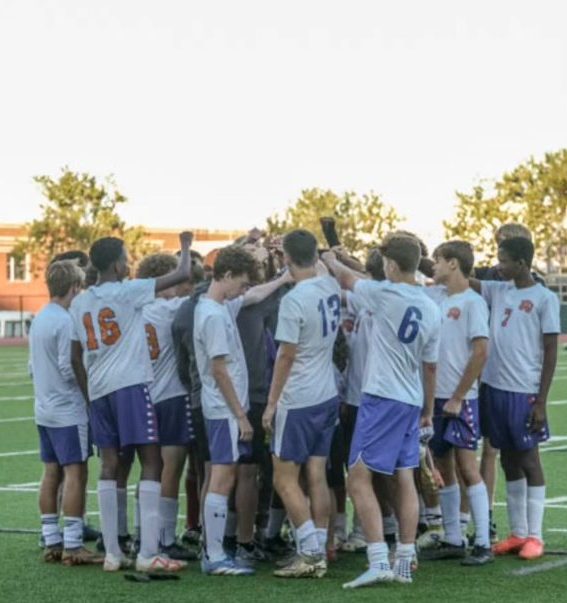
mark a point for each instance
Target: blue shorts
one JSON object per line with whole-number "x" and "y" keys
{"x": 300, "y": 433}
{"x": 174, "y": 421}
{"x": 460, "y": 432}
{"x": 124, "y": 418}
{"x": 224, "y": 446}
{"x": 64, "y": 445}
{"x": 386, "y": 435}
{"x": 509, "y": 420}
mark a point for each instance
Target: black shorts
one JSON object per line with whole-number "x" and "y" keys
{"x": 348, "y": 422}
{"x": 200, "y": 446}
{"x": 259, "y": 447}
{"x": 336, "y": 461}
{"x": 483, "y": 414}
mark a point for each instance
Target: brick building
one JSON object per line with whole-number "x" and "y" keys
{"x": 23, "y": 292}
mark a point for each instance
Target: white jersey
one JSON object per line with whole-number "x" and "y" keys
{"x": 464, "y": 318}
{"x": 215, "y": 334}
{"x": 309, "y": 317}
{"x": 405, "y": 334}
{"x": 158, "y": 317}
{"x": 358, "y": 342}
{"x": 58, "y": 399}
{"x": 109, "y": 324}
{"x": 519, "y": 318}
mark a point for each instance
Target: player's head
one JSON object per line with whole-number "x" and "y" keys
{"x": 401, "y": 256}
{"x": 80, "y": 257}
{"x": 375, "y": 264}
{"x": 515, "y": 257}
{"x": 234, "y": 269}
{"x": 512, "y": 230}
{"x": 155, "y": 265}
{"x": 110, "y": 257}
{"x": 452, "y": 257}
{"x": 300, "y": 249}
{"x": 64, "y": 280}
{"x": 412, "y": 235}
{"x": 91, "y": 276}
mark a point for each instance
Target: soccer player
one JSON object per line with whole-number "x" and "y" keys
{"x": 303, "y": 398}
{"x": 404, "y": 341}
{"x": 524, "y": 328}
{"x": 224, "y": 394}
{"x": 462, "y": 354}
{"x": 61, "y": 418}
{"x": 170, "y": 399}
{"x": 113, "y": 367}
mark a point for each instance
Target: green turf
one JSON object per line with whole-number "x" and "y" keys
{"x": 24, "y": 577}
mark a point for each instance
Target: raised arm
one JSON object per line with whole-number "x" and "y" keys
{"x": 260, "y": 292}
{"x": 345, "y": 276}
{"x": 183, "y": 271}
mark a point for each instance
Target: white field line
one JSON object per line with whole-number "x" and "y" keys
{"x": 17, "y": 374}
{"x": 559, "y": 530}
{"x": 554, "y": 449}
{"x": 19, "y": 453}
{"x": 10, "y": 398}
{"x": 16, "y": 419}
{"x": 557, "y": 403}
{"x": 555, "y": 438}
{"x": 15, "y": 383}
{"x": 542, "y": 567}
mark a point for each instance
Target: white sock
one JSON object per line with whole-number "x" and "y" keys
{"x": 137, "y": 515}
{"x": 122, "y": 494}
{"x": 478, "y": 502}
{"x": 168, "y": 510}
{"x": 231, "y": 524}
{"x": 73, "y": 532}
{"x": 275, "y": 522}
{"x": 340, "y": 525}
{"x": 433, "y": 515}
{"x": 214, "y": 517}
{"x": 377, "y": 553}
{"x": 422, "y": 518}
{"x": 517, "y": 507}
{"x": 405, "y": 551}
{"x": 450, "y": 498}
{"x": 108, "y": 506}
{"x": 307, "y": 538}
{"x": 536, "y": 504}
{"x": 149, "y": 518}
{"x": 356, "y": 527}
{"x": 390, "y": 525}
{"x": 50, "y": 529}
{"x": 322, "y": 539}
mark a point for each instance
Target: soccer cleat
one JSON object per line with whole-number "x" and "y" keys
{"x": 278, "y": 547}
{"x": 249, "y": 556}
{"x": 126, "y": 544}
{"x": 53, "y": 554}
{"x": 354, "y": 544}
{"x": 442, "y": 550}
{"x": 80, "y": 556}
{"x": 373, "y": 575}
{"x": 284, "y": 561}
{"x": 303, "y": 566}
{"x": 429, "y": 538}
{"x": 90, "y": 534}
{"x": 115, "y": 564}
{"x": 510, "y": 546}
{"x": 480, "y": 555}
{"x": 532, "y": 549}
{"x": 158, "y": 564}
{"x": 224, "y": 567}
{"x": 178, "y": 552}
{"x": 191, "y": 537}
{"x": 402, "y": 570}
{"x": 493, "y": 533}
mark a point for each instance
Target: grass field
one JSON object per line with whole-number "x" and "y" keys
{"x": 24, "y": 577}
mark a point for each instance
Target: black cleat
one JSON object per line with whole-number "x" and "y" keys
{"x": 443, "y": 550}
{"x": 90, "y": 534}
{"x": 178, "y": 552}
{"x": 478, "y": 556}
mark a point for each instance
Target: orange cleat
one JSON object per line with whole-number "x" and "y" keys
{"x": 533, "y": 549}
{"x": 512, "y": 544}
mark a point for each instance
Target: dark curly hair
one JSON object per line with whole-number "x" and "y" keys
{"x": 157, "y": 264}
{"x": 235, "y": 260}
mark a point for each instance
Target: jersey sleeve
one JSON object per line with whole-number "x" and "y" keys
{"x": 478, "y": 318}
{"x": 215, "y": 336}
{"x": 139, "y": 291}
{"x": 353, "y": 304}
{"x": 234, "y": 306}
{"x": 289, "y": 321}
{"x": 365, "y": 292}
{"x": 64, "y": 350}
{"x": 550, "y": 315}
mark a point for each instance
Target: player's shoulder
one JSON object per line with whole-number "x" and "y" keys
{"x": 545, "y": 294}
{"x": 472, "y": 299}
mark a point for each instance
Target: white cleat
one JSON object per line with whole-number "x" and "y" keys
{"x": 115, "y": 564}
{"x": 159, "y": 564}
{"x": 372, "y": 576}
{"x": 354, "y": 544}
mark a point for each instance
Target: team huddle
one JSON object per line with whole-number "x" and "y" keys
{"x": 282, "y": 378}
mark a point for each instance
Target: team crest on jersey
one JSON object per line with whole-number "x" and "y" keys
{"x": 526, "y": 306}
{"x": 454, "y": 313}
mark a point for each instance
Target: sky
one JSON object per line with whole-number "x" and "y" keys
{"x": 217, "y": 113}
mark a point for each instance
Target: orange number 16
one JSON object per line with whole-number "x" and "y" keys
{"x": 109, "y": 329}
{"x": 153, "y": 343}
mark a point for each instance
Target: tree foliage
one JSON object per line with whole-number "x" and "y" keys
{"x": 78, "y": 210}
{"x": 534, "y": 194}
{"x": 362, "y": 220}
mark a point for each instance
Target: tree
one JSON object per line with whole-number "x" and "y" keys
{"x": 534, "y": 194}
{"x": 362, "y": 221}
{"x": 77, "y": 211}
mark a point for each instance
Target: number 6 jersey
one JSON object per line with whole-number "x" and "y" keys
{"x": 405, "y": 333}
{"x": 109, "y": 324}
{"x": 309, "y": 317}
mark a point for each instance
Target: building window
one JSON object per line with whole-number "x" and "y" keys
{"x": 18, "y": 268}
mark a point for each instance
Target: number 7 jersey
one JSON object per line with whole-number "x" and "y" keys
{"x": 109, "y": 324}
{"x": 309, "y": 317}
{"x": 405, "y": 333}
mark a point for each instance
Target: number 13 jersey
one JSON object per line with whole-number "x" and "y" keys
{"x": 109, "y": 324}
{"x": 405, "y": 333}
{"x": 309, "y": 317}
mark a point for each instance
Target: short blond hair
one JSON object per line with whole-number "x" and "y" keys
{"x": 63, "y": 275}
{"x": 512, "y": 230}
